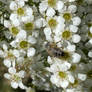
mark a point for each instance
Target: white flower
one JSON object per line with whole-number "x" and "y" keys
{"x": 14, "y": 28}
{"x": 16, "y": 22}
{"x": 47, "y": 4}
{"x": 14, "y": 19}
{"x": 8, "y": 55}
{"x": 79, "y": 88}
{"x": 5, "y": 48}
{"x": 71, "y": 0}
{"x": 62, "y": 79}
{"x": 76, "y": 58}
{"x": 32, "y": 39}
{"x": 49, "y": 60}
{"x": 90, "y": 54}
{"x": 17, "y": 3}
{"x": 12, "y": 70}
{"x": 73, "y": 28}
{"x": 21, "y": 35}
{"x": 13, "y": 44}
{"x": 90, "y": 41}
{"x": 43, "y": 4}
{"x": 71, "y": 48}
{"x": 21, "y": 73}
{"x": 13, "y": 5}
{"x": 50, "y": 12}
{"x": 7, "y": 62}
{"x": 76, "y": 38}
{"x": 29, "y": 11}
{"x": 53, "y": 28}
{"x": 59, "y": 66}
{"x": 76, "y": 21}
{"x": 90, "y": 29}
{"x": 21, "y": 13}
{"x": 15, "y": 78}
{"x": 69, "y": 35}
{"x": 31, "y": 52}
{"x": 25, "y": 19}
{"x": 64, "y": 84}
{"x": 30, "y": 89}
{"x": 13, "y": 16}
{"x": 7, "y": 76}
{"x": 14, "y": 85}
{"x": 57, "y": 38}
{"x": 16, "y": 53}
{"x": 82, "y": 76}
{"x": 72, "y": 8}
{"x": 47, "y": 32}
{"x": 39, "y": 23}
{"x": 21, "y": 3}
{"x": 59, "y": 6}
{"x": 69, "y": 90}
{"x": 7, "y": 23}
{"x": 1, "y": 53}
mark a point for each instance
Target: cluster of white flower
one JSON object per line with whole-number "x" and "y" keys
{"x": 20, "y": 50}
{"x": 60, "y": 27}
{"x": 58, "y": 21}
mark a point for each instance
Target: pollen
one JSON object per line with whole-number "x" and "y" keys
{"x": 62, "y": 75}
{"x": 29, "y": 26}
{"x": 52, "y": 3}
{"x": 14, "y": 30}
{"x": 20, "y": 11}
{"x": 23, "y": 44}
{"x": 66, "y": 35}
{"x": 16, "y": 77}
{"x": 67, "y": 16}
{"x": 10, "y": 55}
{"x": 52, "y": 23}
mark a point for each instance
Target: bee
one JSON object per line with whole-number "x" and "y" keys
{"x": 57, "y": 52}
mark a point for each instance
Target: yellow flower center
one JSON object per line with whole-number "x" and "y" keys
{"x": 66, "y": 35}
{"x": 73, "y": 68}
{"x": 75, "y": 84}
{"x": 10, "y": 55}
{"x": 20, "y": 11}
{"x": 67, "y": 16}
{"x": 52, "y": 23}
{"x": 24, "y": 44}
{"x": 14, "y": 30}
{"x": 89, "y": 34}
{"x": 29, "y": 26}
{"x": 62, "y": 75}
{"x": 52, "y": 3}
{"x": 89, "y": 74}
{"x": 16, "y": 77}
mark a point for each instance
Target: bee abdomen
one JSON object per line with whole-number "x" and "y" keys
{"x": 57, "y": 52}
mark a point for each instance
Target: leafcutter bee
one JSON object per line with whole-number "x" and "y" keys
{"x": 57, "y": 52}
